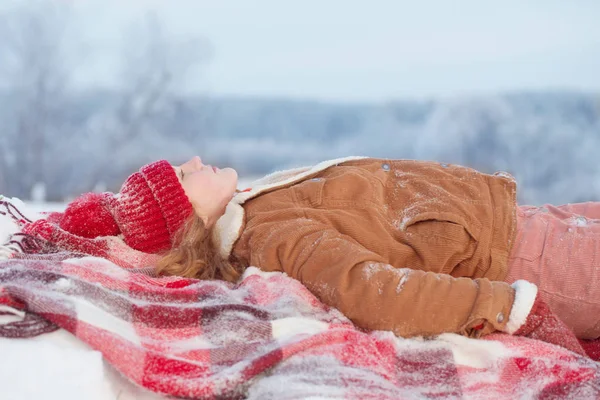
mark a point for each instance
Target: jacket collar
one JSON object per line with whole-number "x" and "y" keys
{"x": 229, "y": 227}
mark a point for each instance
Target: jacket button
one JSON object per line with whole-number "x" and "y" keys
{"x": 500, "y": 318}
{"x": 386, "y": 167}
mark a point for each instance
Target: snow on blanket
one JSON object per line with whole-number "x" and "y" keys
{"x": 268, "y": 337}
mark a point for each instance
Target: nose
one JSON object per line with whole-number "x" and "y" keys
{"x": 196, "y": 163}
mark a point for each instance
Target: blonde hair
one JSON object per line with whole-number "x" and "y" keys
{"x": 195, "y": 255}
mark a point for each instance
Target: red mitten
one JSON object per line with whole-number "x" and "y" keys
{"x": 542, "y": 324}
{"x": 88, "y": 216}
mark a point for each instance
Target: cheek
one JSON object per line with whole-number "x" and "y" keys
{"x": 193, "y": 196}
{"x": 194, "y": 189}
{"x": 230, "y": 186}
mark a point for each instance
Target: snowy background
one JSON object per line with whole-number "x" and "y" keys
{"x": 90, "y": 90}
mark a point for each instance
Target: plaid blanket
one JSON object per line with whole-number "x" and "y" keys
{"x": 267, "y": 337}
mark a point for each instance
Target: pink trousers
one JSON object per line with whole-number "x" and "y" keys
{"x": 558, "y": 249}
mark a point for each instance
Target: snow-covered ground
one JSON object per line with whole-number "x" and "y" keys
{"x": 59, "y": 366}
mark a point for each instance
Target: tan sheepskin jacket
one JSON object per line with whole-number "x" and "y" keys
{"x": 418, "y": 248}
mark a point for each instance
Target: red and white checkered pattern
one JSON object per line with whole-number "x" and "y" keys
{"x": 268, "y": 337}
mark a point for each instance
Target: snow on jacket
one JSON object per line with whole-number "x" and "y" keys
{"x": 418, "y": 248}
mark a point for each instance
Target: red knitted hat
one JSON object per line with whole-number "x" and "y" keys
{"x": 151, "y": 207}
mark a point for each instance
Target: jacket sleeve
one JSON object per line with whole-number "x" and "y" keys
{"x": 376, "y": 295}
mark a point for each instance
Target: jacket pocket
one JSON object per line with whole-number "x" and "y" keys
{"x": 529, "y": 253}
{"x": 530, "y": 239}
{"x": 446, "y": 225}
{"x": 309, "y": 192}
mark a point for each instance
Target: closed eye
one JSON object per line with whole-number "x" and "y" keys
{"x": 180, "y": 174}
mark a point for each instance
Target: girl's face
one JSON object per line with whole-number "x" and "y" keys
{"x": 208, "y": 188}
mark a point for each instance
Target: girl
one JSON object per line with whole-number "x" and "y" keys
{"x": 414, "y": 247}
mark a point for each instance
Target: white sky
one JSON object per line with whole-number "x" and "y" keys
{"x": 357, "y": 50}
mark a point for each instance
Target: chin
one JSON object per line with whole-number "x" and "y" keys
{"x": 234, "y": 176}
{"x": 232, "y": 171}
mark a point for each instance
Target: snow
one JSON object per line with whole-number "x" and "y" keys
{"x": 370, "y": 269}
{"x": 59, "y": 366}
{"x": 474, "y": 353}
{"x": 7, "y": 226}
{"x": 283, "y": 328}
{"x": 23, "y": 360}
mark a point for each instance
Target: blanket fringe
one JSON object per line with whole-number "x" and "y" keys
{"x": 30, "y": 326}
{"x": 7, "y": 250}
{"x": 21, "y": 242}
{"x": 13, "y": 212}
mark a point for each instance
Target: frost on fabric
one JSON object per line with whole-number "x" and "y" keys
{"x": 408, "y": 215}
{"x": 371, "y": 273}
{"x": 99, "y": 265}
{"x": 335, "y": 244}
{"x": 62, "y": 284}
{"x": 422, "y": 369}
{"x": 268, "y": 337}
{"x": 320, "y": 377}
{"x": 403, "y": 178}
{"x": 288, "y": 297}
{"x": 476, "y": 353}
{"x": 579, "y": 221}
{"x": 325, "y": 291}
{"x": 505, "y": 175}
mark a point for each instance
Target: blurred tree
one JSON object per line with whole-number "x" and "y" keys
{"x": 155, "y": 66}
{"x": 47, "y": 145}
{"x": 34, "y": 77}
